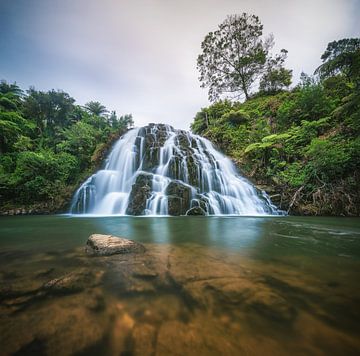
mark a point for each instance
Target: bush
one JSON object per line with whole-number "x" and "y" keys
{"x": 38, "y": 175}
{"x": 328, "y": 160}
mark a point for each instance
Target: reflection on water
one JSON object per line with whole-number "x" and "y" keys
{"x": 205, "y": 286}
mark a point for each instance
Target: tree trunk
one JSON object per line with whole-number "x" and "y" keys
{"x": 244, "y": 88}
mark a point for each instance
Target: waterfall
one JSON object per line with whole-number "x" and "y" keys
{"x": 157, "y": 170}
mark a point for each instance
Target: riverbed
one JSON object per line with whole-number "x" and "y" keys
{"x": 205, "y": 286}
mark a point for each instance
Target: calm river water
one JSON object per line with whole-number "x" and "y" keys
{"x": 205, "y": 286}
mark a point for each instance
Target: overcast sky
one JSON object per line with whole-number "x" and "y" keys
{"x": 139, "y": 56}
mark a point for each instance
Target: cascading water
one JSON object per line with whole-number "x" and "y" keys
{"x": 157, "y": 170}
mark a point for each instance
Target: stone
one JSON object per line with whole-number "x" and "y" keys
{"x": 73, "y": 282}
{"x": 106, "y": 245}
{"x": 140, "y": 192}
{"x": 144, "y": 336}
{"x": 196, "y": 211}
{"x": 197, "y": 338}
{"x": 179, "y": 198}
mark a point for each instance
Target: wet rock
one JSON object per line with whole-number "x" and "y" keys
{"x": 140, "y": 192}
{"x": 96, "y": 300}
{"x": 131, "y": 276}
{"x": 105, "y": 245}
{"x": 121, "y": 332}
{"x": 179, "y": 198}
{"x": 24, "y": 286}
{"x": 144, "y": 337}
{"x": 197, "y": 338}
{"x": 214, "y": 284}
{"x": 272, "y": 305}
{"x": 45, "y": 273}
{"x": 196, "y": 211}
{"x": 73, "y": 282}
{"x": 65, "y": 326}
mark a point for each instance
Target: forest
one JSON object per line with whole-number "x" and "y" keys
{"x": 48, "y": 145}
{"x": 301, "y": 145}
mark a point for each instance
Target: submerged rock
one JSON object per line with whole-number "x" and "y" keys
{"x": 106, "y": 245}
{"x": 73, "y": 282}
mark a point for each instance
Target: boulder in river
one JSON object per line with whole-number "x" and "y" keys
{"x": 196, "y": 210}
{"x": 106, "y": 245}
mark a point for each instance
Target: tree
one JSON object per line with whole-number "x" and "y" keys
{"x": 341, "y": 56}
{"x": 6, "y": 88}
{"x": 80, "y": 141}
{"x": 208, "y": 116}
{"x": 95, "y": 108}
{"x": 49, "y": 109}
{"x": 234, "y": 56}
{"x": 276, "y": 77}
{"x": 126, "y": 121}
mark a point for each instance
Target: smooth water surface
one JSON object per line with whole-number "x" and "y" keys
{"x": 206, "y": 286}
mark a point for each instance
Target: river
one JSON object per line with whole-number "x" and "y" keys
{"x": 206, "y": 286}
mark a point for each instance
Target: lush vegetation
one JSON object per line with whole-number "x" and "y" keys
{"x": 236, "y": 55}
{"x": 302, "y": 145}
{"x": 48, "y": 144}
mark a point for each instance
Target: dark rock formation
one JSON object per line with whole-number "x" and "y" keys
{"x": 196, "y": 211}
{"x": 73, "y": 282}
{"x": 179, "y": 198}
{"x": 140, "y": 192}
{"x": 106, "y": 245}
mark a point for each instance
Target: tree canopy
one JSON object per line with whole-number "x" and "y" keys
{"x": 341, "y": 56}
{"x": 48, "y": 143}
{"x": 235, "y": 56}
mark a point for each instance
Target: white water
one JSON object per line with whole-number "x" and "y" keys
{"x": 215, "y": 183}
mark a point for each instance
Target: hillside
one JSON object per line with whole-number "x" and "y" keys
{"x": 301, "y": 146}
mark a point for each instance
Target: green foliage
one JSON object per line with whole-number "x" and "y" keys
{"x": 342, "y": 56}
{"x": 47, "y": 142}
{"x": 305, "y": 140}
{"x": 39, "y": 175}
{"x": 95, "y": 108}
{"x": 48, "y": 110}
{"x": 310, "y": 101}
{"x": 276, "y": 77}
{"x": 80, "y": 141}
{"x": 234, "y": 56}
{"x": 330, "y": 160}
{"x": 236, "y": 117}
{"x": 294, "y": 174}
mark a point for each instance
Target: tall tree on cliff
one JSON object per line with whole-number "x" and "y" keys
{"x": 234, "y": 57}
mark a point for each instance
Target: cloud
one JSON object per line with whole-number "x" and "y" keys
{"x": 140, "y": 56}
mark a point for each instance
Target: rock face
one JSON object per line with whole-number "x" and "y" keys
{"x": 158, "y": 170}
{"x": 140, "y": 192}
{"x": 106, "y": 245}
{"x": 196, "y": 211}
{"x": 179, "y": 198}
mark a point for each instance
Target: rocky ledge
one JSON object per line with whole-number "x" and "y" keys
{"x": 106, "y": 245}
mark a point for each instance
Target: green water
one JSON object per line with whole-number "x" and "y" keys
{"x": 213, "y": 285}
